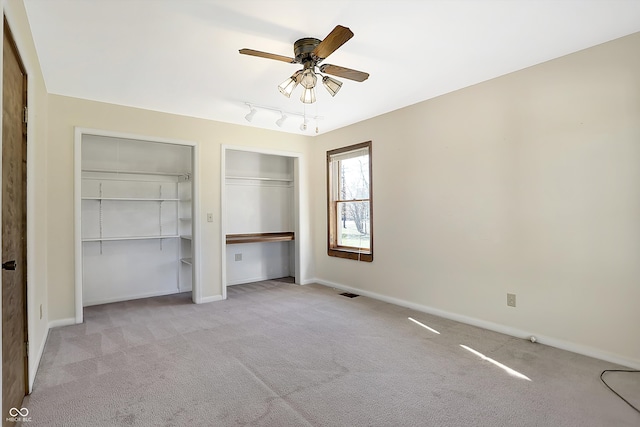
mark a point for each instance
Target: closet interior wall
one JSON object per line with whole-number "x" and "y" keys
{"x": 259, "y": 200}
{"x": 136, "y": 219}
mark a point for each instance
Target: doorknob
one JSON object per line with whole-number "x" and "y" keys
{"x": 9, "y": 265}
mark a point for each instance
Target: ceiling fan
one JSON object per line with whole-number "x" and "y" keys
{"x": 310, "y": 52}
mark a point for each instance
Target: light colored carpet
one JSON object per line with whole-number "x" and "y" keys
{"x": 278, "y": 354}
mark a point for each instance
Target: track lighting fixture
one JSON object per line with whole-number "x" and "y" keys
{"x": 281, "y": 120}
{"x": 252, "y": 113}
{"x": 284, "y": 115}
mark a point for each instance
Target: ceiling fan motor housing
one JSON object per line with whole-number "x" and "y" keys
{"x": 303, "y": 50}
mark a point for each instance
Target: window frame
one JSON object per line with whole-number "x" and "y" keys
{"x": 333, "y": 249}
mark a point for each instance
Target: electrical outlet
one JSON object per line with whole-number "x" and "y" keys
{"x": 511, "y": 300}
{"x": 209, "y": 217}
{"x": 238, "y": 257}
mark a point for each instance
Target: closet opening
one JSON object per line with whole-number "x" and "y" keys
{"x": 260, "y": 206}
{"x": 136, "y": 225}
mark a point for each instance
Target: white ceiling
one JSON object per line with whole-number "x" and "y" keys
{"x": 181, "y": 56}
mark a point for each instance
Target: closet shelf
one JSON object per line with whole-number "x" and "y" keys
{"x": 106, "y": 239}
{"x": 125, "y": 172}
{"x": 260, "y": 237}
{"x": 186, "y": 236}
{"x": 133, "y": 199}
{"x": 257, "y": 178}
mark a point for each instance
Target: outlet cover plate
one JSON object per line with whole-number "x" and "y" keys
{"x": 511, "y": 300}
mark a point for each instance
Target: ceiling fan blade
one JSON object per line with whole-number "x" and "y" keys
{"x": 267, "y": 55}
{"x": 336, "y": 38}
{"x": 346, "y": 73}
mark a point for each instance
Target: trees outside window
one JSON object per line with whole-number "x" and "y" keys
{"x": 350, "y": 216}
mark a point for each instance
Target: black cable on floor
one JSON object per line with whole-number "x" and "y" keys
{"x": 615, "y": 392}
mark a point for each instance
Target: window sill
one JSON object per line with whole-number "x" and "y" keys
{"x": 351, "y": 254}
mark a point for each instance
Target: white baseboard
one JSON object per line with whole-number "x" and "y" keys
{"x": 34, "y": 363}
{"x": 504, "y": 329}
{"x": 131, "y": 297}
{"x": 244, "y": 280}
{"x": 62, "y": 322}
{"x": 213, "y": 298}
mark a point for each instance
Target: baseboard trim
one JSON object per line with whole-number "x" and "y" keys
{"x": 62, "y": 322}
{"x": 255, "y": 279}
{"x": 213, "y": 298}
{"x": 35, "y": 363}
{"x": 496, "y": 327}
{"x": 132, "y": 297}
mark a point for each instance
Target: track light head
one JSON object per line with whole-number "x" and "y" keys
{"x": 281, "y": 120}
{"x": 252, "y": 113}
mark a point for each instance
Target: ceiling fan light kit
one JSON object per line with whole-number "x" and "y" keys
{"x": 309, "y": 52}
{"x": 309, "y": 79}
{"x": 332, "y": 85}
{"x": 308, "y": 95}
{"x": 287, "y": 86}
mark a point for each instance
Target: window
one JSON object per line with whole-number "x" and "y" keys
{"x": 350, "y": 201}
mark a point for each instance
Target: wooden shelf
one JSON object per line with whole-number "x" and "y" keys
{"x": 107, "y": 239}
{"x": 260, "y": 237}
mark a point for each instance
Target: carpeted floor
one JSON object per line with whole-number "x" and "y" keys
{"x": 278, "y": 354}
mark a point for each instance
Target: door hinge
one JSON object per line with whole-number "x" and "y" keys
{"x": 25, "y": 119}
{"x": 26, "y": 348}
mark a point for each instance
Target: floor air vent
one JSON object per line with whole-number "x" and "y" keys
{"x": 349, "y": 295}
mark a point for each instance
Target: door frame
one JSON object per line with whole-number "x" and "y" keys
{"x": 79, "y": 132}
{"x": 297, "y": 159}
{"x": 29, "y": 314}
{"x": 36, "y": 274}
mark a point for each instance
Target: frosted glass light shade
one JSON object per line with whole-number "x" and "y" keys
{"x": 308, "y": 96}
{"x": 332, "y": 85}
{"x": 287, "y": 86}
{"x": 309, "y": 79}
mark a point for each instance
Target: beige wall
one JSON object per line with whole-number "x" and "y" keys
{"x": 65, "y": 113}
{"x": 527, "y": 184}
{"x": 36, "y": 182}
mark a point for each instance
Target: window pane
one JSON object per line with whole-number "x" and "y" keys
{"x": 349, "y": 197}
{"x": 354, "y": 227}
{"x": 354, "y": 178}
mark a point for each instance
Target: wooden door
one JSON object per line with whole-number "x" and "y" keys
{"x": 14, "y": 230}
